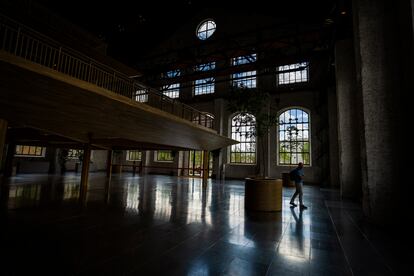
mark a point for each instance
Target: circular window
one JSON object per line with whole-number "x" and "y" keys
{"x": 206, "y": 29}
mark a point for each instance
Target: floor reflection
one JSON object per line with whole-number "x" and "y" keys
{"x": 162, "y": 225}
{"x": 297, "y": 233}
{"x": 18, "y": 192}
{"x": 183, "y": 202}
{"x": 296, "y": 240}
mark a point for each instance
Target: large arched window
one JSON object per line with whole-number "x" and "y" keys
{"x": 294, "y": 137}
{"x": 242, "y": 130}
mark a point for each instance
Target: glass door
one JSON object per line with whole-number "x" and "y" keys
{"x": 195, "y": 163}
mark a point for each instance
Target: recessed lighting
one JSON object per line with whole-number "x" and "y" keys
{"x": 343, "y": 12}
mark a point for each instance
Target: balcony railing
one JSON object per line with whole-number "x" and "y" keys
{"x": 24, "y": 42}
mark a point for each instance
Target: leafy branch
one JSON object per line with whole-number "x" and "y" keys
{"x": 256, "y": 119}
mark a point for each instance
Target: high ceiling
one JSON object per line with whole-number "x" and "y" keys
{"x": 132, "y": 28}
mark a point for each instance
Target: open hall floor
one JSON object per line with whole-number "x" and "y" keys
{"x": 165, "y": 225}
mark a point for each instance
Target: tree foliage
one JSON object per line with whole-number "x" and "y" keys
{"x": 252, "y": 104}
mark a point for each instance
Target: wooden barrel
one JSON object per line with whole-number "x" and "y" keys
{"x": 263, "y": 194}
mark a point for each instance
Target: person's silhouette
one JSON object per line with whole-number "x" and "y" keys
{"x": 298, "y": 178}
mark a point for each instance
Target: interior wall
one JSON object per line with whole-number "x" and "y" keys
{"x": 42, "y": 164}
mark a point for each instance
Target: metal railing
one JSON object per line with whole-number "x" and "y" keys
{"x": 33, "y": 46}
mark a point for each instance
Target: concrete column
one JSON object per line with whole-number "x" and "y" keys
{"x": 380, "y": 35}
{"x": 108, "y": 175}
{"x": 85, "y": 171}
{"x": 333, "y": 138}
{"x": 8, "y": 164}
{"x": 53, "y": 159}
{"x": 3, "y": 132}
{"x": 218, "y": 158}
{"x": 186, "y": 92}
{"x": 348, "y": 134}
{"x": 185, "y": 156}
{"x": 109, "y": 164}
{"x": 205, "y": 164}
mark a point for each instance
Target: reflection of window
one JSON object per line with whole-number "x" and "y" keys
{"x": 294, "y": 137}
{"x": 297, "y": 72}
{"x": 74, "y": 153}
{"x": 164, "y": 156}
{"x": 244, "y": 79}
{"x": 206, "y": 29}
{"x": 171, "y": 90}
{"x": 242, "y": 130}
{"x": 141, "y": 95}
{"x": 30, "y": 151}
{"x": 134, "y": 155}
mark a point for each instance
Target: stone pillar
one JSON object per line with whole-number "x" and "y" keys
{"x": 109, "y": 164}
{"x": 85, "y": 171}
{"x": 183, "y": 164}
{"x": 205, "y": 164}
{"x": 8, "y": 164}
{"x": 381, "y": 32}
{"x": 108, "y": 175}
{"x": 3, "y": 132}
{"x": 52, "y": 157}
{"x": 333, "y": 138}
{"x": 348, "y": 135}
{"x": 218, "y": 158}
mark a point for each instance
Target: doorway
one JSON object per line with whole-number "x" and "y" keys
{"x": 195, "y": 163}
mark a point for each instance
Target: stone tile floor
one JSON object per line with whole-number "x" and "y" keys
{"x": 163, "y": 225}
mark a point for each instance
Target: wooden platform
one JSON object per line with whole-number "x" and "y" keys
{"x": 41, "y": 98}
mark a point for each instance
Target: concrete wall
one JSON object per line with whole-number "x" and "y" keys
{"x": 33, "y": 164}
{"x": 384, "y": 52}
{"x": 42, "y": 164}
{"x": 333, "y": 139}
{"x": 348, "y": 131}
{"x": 98, "y": 158}
{"x": 307, "y": 99}
{"x": 51, "y": 24}
{"x": 161, "y": 167}
{"x": 311, "y": 95}
{"x": 304, "y": 100}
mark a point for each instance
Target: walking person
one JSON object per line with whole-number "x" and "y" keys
{"x": 297, "y": 176}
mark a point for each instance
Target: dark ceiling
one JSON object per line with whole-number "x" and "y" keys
{"x": 132, "y": 28}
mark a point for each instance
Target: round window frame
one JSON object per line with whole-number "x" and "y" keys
{"x": 205, "y": 21}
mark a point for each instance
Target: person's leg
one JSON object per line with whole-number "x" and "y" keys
{"x": 292, "y": 200}
{"x": 300, "y": 189}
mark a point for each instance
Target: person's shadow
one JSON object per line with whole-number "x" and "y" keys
{"x": 298, "y": 232}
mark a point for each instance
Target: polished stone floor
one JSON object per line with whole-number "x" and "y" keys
{"x": 163, "y": 225}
